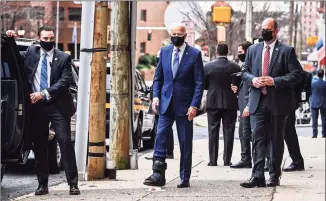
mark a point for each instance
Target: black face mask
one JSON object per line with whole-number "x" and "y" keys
{"x": 177, "y": 41}
{"x": 242, "y": 57}
{"x": 267, "y": 35}
{"x": 47, "y": 45}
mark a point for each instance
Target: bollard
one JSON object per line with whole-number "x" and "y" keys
{"x": 134, "y": 160}
{"x": 110, "y": 169}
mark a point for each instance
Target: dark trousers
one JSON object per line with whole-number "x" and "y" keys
{"x": 214, "y": 117}
{"x": 292, "y": 142}
{"x": 245, "y": 138}
{"x": 42, "y": 114}
{"x": 170, "y": 138}
{"x": 314, "y": 115}
{"x": 265, "y": 120}
{"x": 185, "y": 135}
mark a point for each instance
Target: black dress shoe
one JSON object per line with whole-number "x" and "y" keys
{"x": 211, "y": 164}
{"x": 272, "y": 182}
{"x": 241, "y": 164}
{"x": 227, "y": 163}
{"x": 254, "y": 182}
{"x": 74, "y": 190}
{"x": 314, "y": 137}
{"x": 293, "y": 168}
{"x": 42, "y": 190}
{"x": 169, "y": 156}
{"x": 185, "y": 184}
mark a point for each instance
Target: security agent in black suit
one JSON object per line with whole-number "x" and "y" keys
{"x": 271, "y": 68}
{"x": 244, "y": 124}
{"x": 48, "y": 77}
{"x": 302, "y": 92}
{"x": 221, "y": 103}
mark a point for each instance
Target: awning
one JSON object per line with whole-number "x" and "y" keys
{"x": 313, "y": 56}
{"x": 322, "y": 56}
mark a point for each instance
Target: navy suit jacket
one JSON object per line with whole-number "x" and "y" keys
{"x": 60, "y": 80}
{"x": 318, "y": 94}
{"x": 284, "y": 68}
{"x": 186, "y": 89}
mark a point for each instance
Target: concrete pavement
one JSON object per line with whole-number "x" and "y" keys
{"x": 207, "y": 183}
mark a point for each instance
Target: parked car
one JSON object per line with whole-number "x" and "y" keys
{"x": 15, "y": 144}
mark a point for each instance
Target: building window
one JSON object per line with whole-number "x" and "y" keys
{"x": 142, "y": 47}
{"x": 143, "y": 16}
{"x": 61, "y": 13}
{"x": 74, "y": 14}
{"x": 37, "y": 13}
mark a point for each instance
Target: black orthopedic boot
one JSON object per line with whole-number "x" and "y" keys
{"x": 158, "y": 176}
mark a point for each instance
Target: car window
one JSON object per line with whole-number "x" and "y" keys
{"x": 137, "y": 84}
{"x": 5, "y": 70}
{"x": 142, "y": 82}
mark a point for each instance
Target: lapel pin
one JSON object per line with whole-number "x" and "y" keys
{"x": 276, "y": 49}
{"x": 55, "y": 59}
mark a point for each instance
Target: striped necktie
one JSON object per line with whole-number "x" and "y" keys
{"x": 175, "y": 62}
{"x": 44, "y": 73}
{"x": 265, "y": 66}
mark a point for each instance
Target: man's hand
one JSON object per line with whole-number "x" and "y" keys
{"x": 192, "y": 111}
{"x": 36, "y": 97}
{"x": 234, "y": 88}
{"x": 267, "y": 80}
{"x": 155, "y": 105}
{"x": 245, "y": 112}
{"x": 11, "y": 33}
{"x": 257, "y": 82}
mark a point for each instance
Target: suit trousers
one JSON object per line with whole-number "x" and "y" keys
{"x": 185, "y": 136}
{"x": 292, "y": 142}
{"x": 314, "y": 116}
{"x": 214, "y": 117}
{"x": 43, "y": 113}
{"x": 263, "y": 121}
{"x": 170, "y": 138}
{"x": 245, "y": 138}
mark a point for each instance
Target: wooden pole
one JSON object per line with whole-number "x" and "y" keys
{"x": 295, "y": 27}
{"x": 96, "y": 151}
{"x": 119, "y": 99}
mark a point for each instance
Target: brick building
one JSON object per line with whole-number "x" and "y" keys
{"x": 309, "y": 17}
{"x": 151, "y": 31}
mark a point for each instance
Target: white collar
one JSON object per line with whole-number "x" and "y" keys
{"x": 182, "y": 48}
{"x": 50, "y": 53}
{"x": 270, "y": 45}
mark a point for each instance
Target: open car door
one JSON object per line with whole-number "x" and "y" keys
{"x": 13, "y": 103}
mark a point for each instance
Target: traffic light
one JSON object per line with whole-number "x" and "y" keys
{"x": 149, "y": 35}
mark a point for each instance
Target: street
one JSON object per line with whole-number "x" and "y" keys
{"x": 21, "y": 180}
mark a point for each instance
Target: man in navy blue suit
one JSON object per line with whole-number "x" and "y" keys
{"x": 271, "y": 69}
{"x": 177, "y": 93}
{"x": 318, "y": 103}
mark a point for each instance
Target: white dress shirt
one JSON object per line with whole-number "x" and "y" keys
{"x": 181, "y": 51}
{"x": 272, "y": 45}
{"x": 37, "y": 75}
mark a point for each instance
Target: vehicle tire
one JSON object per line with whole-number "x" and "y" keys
{"x": 3, "y": 169}
{"x": 137, "y": 137}
{"x": 149, "y": 144}
{"x": 54, "y": 157}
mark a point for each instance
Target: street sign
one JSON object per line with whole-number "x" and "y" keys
{"x": 190, "y": 26}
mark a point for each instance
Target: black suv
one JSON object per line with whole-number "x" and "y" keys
{"x": 15, "y": 145}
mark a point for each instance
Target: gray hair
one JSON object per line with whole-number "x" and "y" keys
{"x": 175, "y": 25}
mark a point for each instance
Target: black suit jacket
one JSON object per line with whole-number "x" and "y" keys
{"x": 284, "y": 68}
{"x": 218, "y": 83}
{"x": 60, "y": 80}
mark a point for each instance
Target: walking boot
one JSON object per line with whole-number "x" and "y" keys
{"x": 158, "y": 176}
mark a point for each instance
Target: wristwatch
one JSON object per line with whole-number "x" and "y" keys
{"x": 43, "y": 94}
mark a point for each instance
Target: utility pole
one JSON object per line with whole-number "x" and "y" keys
{"x": 291, "y": 23}
{"x": 82, "y": 124}
{"x": 249, "y": 21}
{"x": 57, "y": 26}
{"x": 295, "y": 27}
{"x": 301, "y": 35}
{"x": 119, "y": 99}
{"x": 97, "y": 113}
